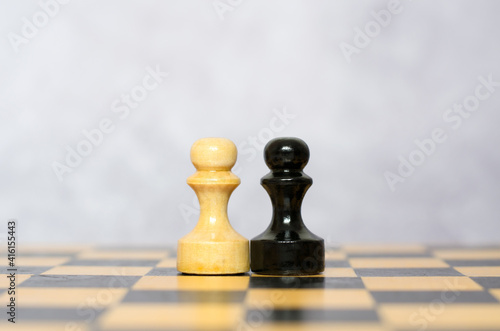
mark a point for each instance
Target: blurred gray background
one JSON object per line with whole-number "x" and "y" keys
{"x": 358, "y": 90}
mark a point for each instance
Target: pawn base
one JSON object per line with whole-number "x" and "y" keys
{"x": 213, "y": 258}
{"x": 300, "y": 257}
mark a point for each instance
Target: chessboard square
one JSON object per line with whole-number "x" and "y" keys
{"x": 337, "y": 264}
{"x": 53, "y": 249}
{"x": 343, "y": 282}
{"x": 253, "y": 274}
{"x": 46, "y": 326}
{"x": 417, "y": 262}
{"x": 309, "y": 298}
{"x": 495, "y": 293}
{"x": 479, "y": 271}
{"x": 25, "y": 270}
{"x": 451, "y": 296}
{"x": 193, "y": 283}
{"x": 172, "y": 316}
{"x": 306, "y": 282}
{"x": 329, "y": 272}
{"x": 407, "y": 272}
{"x": 468, "y": 254}
{"x": 474, "y": 263}
{"x": 420, "y": 284}
{"x": 22, "y": 254}
{"x": 213, "y": 283}
{"x": 334, "y": 255}
{"x": 94, "y": 298}
{"x": 311, "y": 315}
{"x": 263, "y": 281}
{"x": 462, "y": 247}
{"x": 308, "y": 326}
{"x": 19, "y": 279}
{"x": 68, "y": 281}
{"x": 339, "y": 272}
{"x": 487, "y": 282}
{"x": 185, "y": 296}
{"x": 29, "y": 261}
{"x": 163, "y": 272}
{"x": 390, "y": 256}
{"x": 42, "y": 314}
{"x": 153, "y": 283}
{"x": 442, "y": 316}
{"x": 147, "y": 248}
{"x": 98, "y": 270}
{"x": 124, "y": 255}
{"x": 167, "y": 263}
{"x": 112, "y": 263}
{"x": 384, "y": 248}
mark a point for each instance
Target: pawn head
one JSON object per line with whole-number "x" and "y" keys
{"x": 213, "y": 154}
{"x": 286, "y": 153}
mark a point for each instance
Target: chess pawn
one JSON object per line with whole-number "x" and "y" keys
{"x": 213, "y": 247}
{"x": 287, "y": 247}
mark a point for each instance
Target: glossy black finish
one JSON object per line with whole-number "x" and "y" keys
{"x": 287, "y": 247}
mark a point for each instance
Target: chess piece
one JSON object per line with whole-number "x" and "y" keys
{"x": 213, "y": 247}
{"x": 287, "y": 247}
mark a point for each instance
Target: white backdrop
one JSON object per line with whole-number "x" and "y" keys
{"x": 358, "y": 81}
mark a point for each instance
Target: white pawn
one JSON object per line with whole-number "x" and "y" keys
{"x": 213, "y": 247}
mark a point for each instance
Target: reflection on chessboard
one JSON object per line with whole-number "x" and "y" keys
{"x": 405, "y": 287}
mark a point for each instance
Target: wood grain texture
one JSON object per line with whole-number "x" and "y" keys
{"x": 213, "y": 247}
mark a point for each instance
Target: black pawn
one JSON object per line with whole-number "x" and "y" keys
{"x": 287, "y": 247}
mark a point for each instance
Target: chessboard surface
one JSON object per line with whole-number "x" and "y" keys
{"x": 364, "y": 287}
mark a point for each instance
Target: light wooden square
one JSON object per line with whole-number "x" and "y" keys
{"x": 420, "y": 284}
{"x": 384, "y": 248}
{"x": 309, "y": 299}
{"x": 468, "y": 254}
{"x": 98, "y": 271}
{"x": 479, "y": 271}
{"x": 193, "y": 283}
{"x": 440, "y": 316}
{"x": 418, "y": 262}
{"x": 162, "y": 316}
{"x": 123, "y": 255}
{"x": 167, "y": 263}
{"x": 66, "y": 297}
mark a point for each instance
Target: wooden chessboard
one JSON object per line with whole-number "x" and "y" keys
{"x": 405, "y": 287}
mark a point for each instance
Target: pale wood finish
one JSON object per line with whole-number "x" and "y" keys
{"x": 213, "y": 247}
